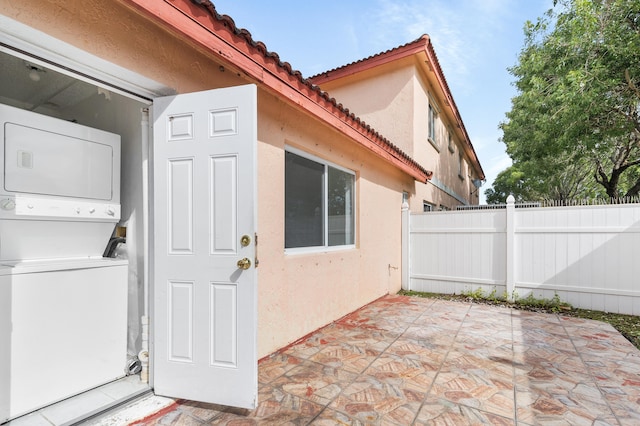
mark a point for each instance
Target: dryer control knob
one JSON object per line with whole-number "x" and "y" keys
{"x": 110, "y": 211}
{"x": 7, "y": 204}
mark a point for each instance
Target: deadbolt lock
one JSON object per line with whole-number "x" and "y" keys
{"x": 245, "y": 240}
{"x": 244, "y": 264}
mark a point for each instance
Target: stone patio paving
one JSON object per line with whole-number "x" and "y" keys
{"x": 412, "y": 361}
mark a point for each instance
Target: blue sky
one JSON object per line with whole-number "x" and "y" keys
{"x": 475, "y": 40}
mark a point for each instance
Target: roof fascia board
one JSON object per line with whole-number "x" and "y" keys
{"x": 434, "y": 65}
{"x": 173, "y": 15}
{"x": 188, "y": 20}
{"x": 367, "y": 64}
{"x": 425, "y": 67}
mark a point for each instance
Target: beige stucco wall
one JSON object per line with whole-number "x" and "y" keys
{"x": 381, "y": 97}
{"x": 297, "y": 293}
{"x": 438, "y": 157}
{"x": 301, "y": 292}
{"x": 113, "y": 32}
{"x": 394, "y": 98}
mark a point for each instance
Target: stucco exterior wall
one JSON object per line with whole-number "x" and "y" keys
{"x": 296, "y": 293}
{"x": 302, "y": 292}
{"x": 394, "y": 98}
{"x": 113, "y": 32}
{"x": 440, "y": 156}
{"x": 382, "y": 97}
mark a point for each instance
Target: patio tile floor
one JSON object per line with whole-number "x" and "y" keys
{"x": 411, "y": 361}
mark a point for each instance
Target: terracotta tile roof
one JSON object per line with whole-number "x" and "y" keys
{"x": 314, "y": 91}
{"x": 420, "y": 45}
{"x": 421, "y": 41}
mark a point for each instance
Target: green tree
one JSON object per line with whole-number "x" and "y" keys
{"x": 574, "y": 126}
{"x": 509, "y": 181}
{"x": 551, "y": 178}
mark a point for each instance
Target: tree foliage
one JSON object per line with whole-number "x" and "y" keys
{"x": 555, "y": 178}
{"x": 574, "y": 126}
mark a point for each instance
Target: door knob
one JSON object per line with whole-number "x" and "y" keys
{"x": 244, "y": 263}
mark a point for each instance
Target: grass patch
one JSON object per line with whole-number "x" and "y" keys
{"x": 627, "y": 325}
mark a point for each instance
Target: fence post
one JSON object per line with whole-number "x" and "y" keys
{"x": 405, "y": 246}
{"x": 510, "y": 242}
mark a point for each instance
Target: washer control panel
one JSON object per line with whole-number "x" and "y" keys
{"x": 17, "y": 207}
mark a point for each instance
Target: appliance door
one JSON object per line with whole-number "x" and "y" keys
{"x": 48, "y": 239}
{"x": 42, "y": 162}
{"x": 67, "y": 333}
{"x": 51, "y": 157}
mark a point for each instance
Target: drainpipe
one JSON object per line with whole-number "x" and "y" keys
{"x": 406, "y": 285}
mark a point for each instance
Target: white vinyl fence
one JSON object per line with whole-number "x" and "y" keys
{"x": 588, "y": 255}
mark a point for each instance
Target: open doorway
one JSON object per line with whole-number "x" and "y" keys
{"x": 32, "y": 85}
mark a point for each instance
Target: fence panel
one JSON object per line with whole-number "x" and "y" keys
{"x": 451, "y": 252}
{"x": 588, "y": 255}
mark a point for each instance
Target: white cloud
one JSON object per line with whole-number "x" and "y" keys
{"x": 498, "y": 159}
{"x": 498, "y": 163}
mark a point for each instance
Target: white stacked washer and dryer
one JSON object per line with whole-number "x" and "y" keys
{"x": 63, "y": 307}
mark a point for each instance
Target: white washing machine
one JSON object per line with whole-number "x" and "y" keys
{"x": 63, "y": 307}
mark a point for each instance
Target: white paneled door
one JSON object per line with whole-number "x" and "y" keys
{"x": 204, "y": 279}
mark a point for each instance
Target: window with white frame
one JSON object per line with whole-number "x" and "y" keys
{"x": 432, "y": 124}
{"x": 460, "y": 166}
{"x": 319, "y": 203}
{"x": 427, "y": 206}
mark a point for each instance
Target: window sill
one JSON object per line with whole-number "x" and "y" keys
{"x": 317, "y": 250}
{"x": 435, "y": 144}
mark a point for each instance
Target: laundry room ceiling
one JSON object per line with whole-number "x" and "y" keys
{"x": 36, "y": 88}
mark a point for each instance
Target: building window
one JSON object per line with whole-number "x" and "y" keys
{"x": 452, "y": 146}
{"x": 427, "y": 207}
{"x": 461, "y": 166}
{"x": 319, "y": 203}
{"x": 432, "y": 125}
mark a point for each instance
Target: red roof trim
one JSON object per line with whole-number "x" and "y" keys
{"x": 421, "y": 45}
{"x": 199, "y": 22}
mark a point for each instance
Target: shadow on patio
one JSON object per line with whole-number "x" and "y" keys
{"x": 403, "y": 360}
